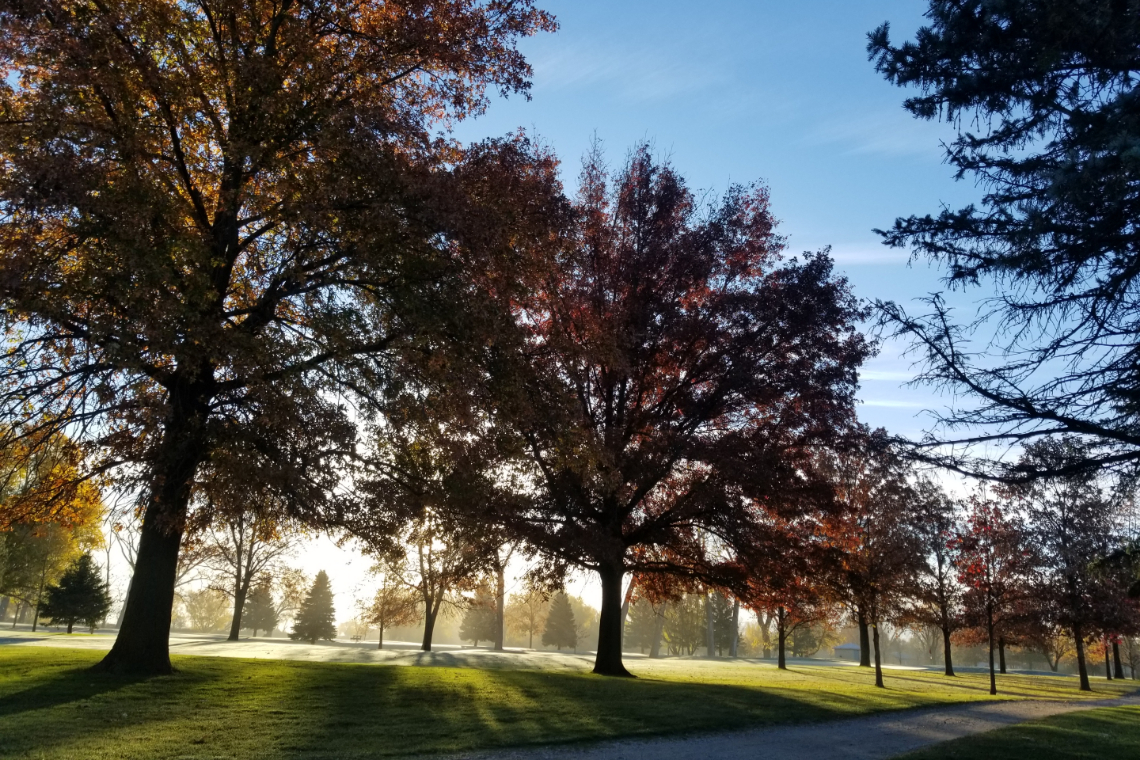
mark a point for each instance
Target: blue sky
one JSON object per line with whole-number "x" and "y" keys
{"x": 736, "y": 91}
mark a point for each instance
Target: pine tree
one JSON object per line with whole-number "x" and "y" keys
{"x": 316, "y": 619}
{"x": 259, "y": 613}
{"x": 561, "y": 630}
{"x": 479, "y": 623}
{"x": 80, "y": 597}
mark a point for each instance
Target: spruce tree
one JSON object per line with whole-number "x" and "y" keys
{"x": 479, "y": 623}
{"x": 259, "y": 613}
{"x": 80, "y": 597}
{"x": 561, "y": 630}
{"x": 316, "y": 619}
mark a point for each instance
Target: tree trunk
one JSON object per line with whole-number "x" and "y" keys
{"x": 710, "y": 630}
{"x": 878, "y": 657}
{"x": 39, "y": 597}
{"x": 1082, "y": 667}
{"x": 123, "y": 609}
{"x": 1117, "y": 664}
{"x": 142, "y": 645}
{"x": 990, "y": 631}
{"x": 735, "y": 628}
{"x": 239, "y": 607}
{"x": 946, "y": 652}
{"x": 1001, "y": 654}
{"x": 608, "y": 662}
{"x": 70, "y": 625}
{"x": 500, "y": 604}
{"x": 1107, "y": 663}
{"x": 658, "y": 628}
{"x": 4, "y": 602}
{"x": 864, "y": 639}
{"x": 781, "y": 639}
{"x": 429, "y": 627}
{"x": 380, "y": 643}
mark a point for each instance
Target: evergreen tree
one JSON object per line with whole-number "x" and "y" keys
{"x": 260, "y": 613}
{"x": 723, "y": 623}
{"x": 561, "y": 630}
{"x": 80, "y": 597}
{"x": 316, "y": 619}
{"x": 479, "y": 623}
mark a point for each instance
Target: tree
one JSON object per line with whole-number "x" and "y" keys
{"x": 526, "y": 612}
{"x": 79, "y": 597}
{"x": 1069, "y": 522}
{"x": 260, "y": 613}
{"x": 245, "y": 208}
{"x": 243, "y": 548}
{"x": 560, "y": 629}
{"x": 394, "y": 604}
{"x": 207, "y": 609}
{"x": 936, "y": 596}
{"x": 993, "y": 565}
{"x": 641, "y": 627}
{"x": 1050, "y": 87}
{"x": 675, "y": 373}
{"x": 479, "y": 622}
{"x": 316, "y": 620}
{"x": 874, "y": 552}
{"x": 292, "y": 585}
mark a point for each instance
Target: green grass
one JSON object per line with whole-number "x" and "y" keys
{"x": 1104, "y": 734}
{"x": 52, "y": 706}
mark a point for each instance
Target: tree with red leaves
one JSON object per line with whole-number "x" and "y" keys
{"x": 678, "y": 371}
{"x": 993, "y": 565}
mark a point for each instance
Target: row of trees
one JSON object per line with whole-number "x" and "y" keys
{"x": 252, "y": 279}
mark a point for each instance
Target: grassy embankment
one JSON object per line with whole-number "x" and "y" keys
{"x": 52, "y": 706}
{"x": 1104, "y": 734}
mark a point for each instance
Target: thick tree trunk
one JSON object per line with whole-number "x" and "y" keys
{"x": 1001, "y": 654}
{"x": 732, "y": 652}
{"x": 429, "y": 628}
{"x": 710, "y": 629}
{"x": 781, "y": 641}
{"x": 878, "y": 656}
{"x": 658, "y": 629}
{"x": 864, "y": 639}
{"x": 70, "y": 625}
{"x": 608, "y": 662}
{"x": 239, "y": 607}
{"x": 1116, "y": 662}
{"x": 380, "y": 643}
{"x": 1082, "y": 667}
{"x": 500, "y": 603}
{"x": 990, "y": 631}
{"x": 143, "y": 643}
{"x": 946, "y": 652}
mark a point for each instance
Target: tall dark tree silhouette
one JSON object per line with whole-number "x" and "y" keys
{"x": 221, "y": 218}
{"x": 677, "y": 371}
{"x": 560, "y": 630}
{"x": 1044, "y": 97}
{"x": 260, "y": 613}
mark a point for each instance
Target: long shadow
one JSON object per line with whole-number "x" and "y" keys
{"x": 69, "y": 686}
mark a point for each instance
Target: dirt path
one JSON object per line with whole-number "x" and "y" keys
{"x": 870, "y": 738}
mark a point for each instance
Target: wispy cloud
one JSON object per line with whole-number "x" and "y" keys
{"x": 886, "y": 375}
{"x": 894, "y": 134}
{"x": 895, "y": 404}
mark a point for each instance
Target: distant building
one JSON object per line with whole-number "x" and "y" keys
{"x": 849, "y": 652}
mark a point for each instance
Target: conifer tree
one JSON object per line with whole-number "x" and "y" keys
{"x": 561, "y": 630}
{"x": 316, "y": 619}
{"x": 480, "y": 623}
{"x": 260, "y": 613}
{"x": 80, "y": 597}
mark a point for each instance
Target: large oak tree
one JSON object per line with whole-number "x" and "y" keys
{"x": 678, "y": 370}
{"x": 218, "y": 218}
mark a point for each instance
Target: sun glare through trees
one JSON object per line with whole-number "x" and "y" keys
{"x": 313, "y": 351}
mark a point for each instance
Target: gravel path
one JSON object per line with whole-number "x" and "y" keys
{"x": 870, "y": 738}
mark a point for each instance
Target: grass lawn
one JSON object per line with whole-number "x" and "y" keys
{"x": 51, "y": 706}
{"x": 1104, "y": 734}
